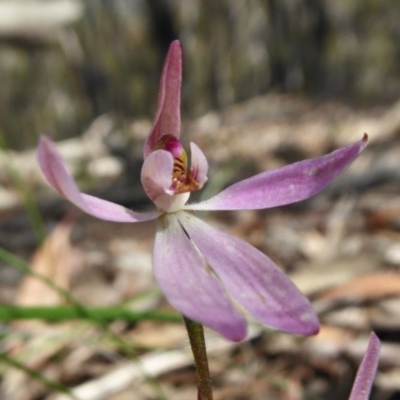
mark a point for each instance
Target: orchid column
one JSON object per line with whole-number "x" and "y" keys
{"x": 199, "y": 268}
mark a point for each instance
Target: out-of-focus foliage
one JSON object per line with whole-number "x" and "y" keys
{"x": 110, "y": 58}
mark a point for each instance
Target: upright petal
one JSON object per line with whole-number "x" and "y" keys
{"x": 367, "y": 370}
{"x": 57, "y": 176}
{"x": 168, "y": 114}
{"x": 189, "y": 284}
{"x": 252, "y": 279}
{"x": 198, "y": 165}
{"x": 284, "y": 185}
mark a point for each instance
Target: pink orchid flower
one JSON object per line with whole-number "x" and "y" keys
{"x": 367, "y": 370}
{"x": 199, "y": 268}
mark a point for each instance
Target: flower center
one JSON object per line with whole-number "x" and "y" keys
{"x": 182, "y": 177}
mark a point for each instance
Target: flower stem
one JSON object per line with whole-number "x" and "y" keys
{"x": 198, "y": 345}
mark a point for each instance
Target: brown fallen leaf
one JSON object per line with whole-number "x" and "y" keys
{"x": 369, "y": 287}
{"x": 57, "y": 260}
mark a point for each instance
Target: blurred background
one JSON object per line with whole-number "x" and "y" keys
{"x": 266, "y": 83}
{"x": 62, "y": 63}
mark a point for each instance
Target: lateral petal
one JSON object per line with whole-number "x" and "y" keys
{"x": 189, "y": 284}
{"x": 157, "y": 180}
{"x": 289, "y": 184}
{"x": 367, "y": 370}
{"x": 168, "y": 114}
{"x": 252, "y": 279}
{"x": 156, "y": 175}
{"x": 199, "y": 164}
{"x": 58, "y": 177}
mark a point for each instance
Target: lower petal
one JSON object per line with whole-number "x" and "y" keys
{"x": 189, "y": 284}
{"x": 252, "y": 279}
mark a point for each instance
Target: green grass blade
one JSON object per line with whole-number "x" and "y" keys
{"x": 10, "y": 313}
{"x": 27, "y": 197}
{"x": 50, "y": 384}
{"x": 24, "y": 267}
